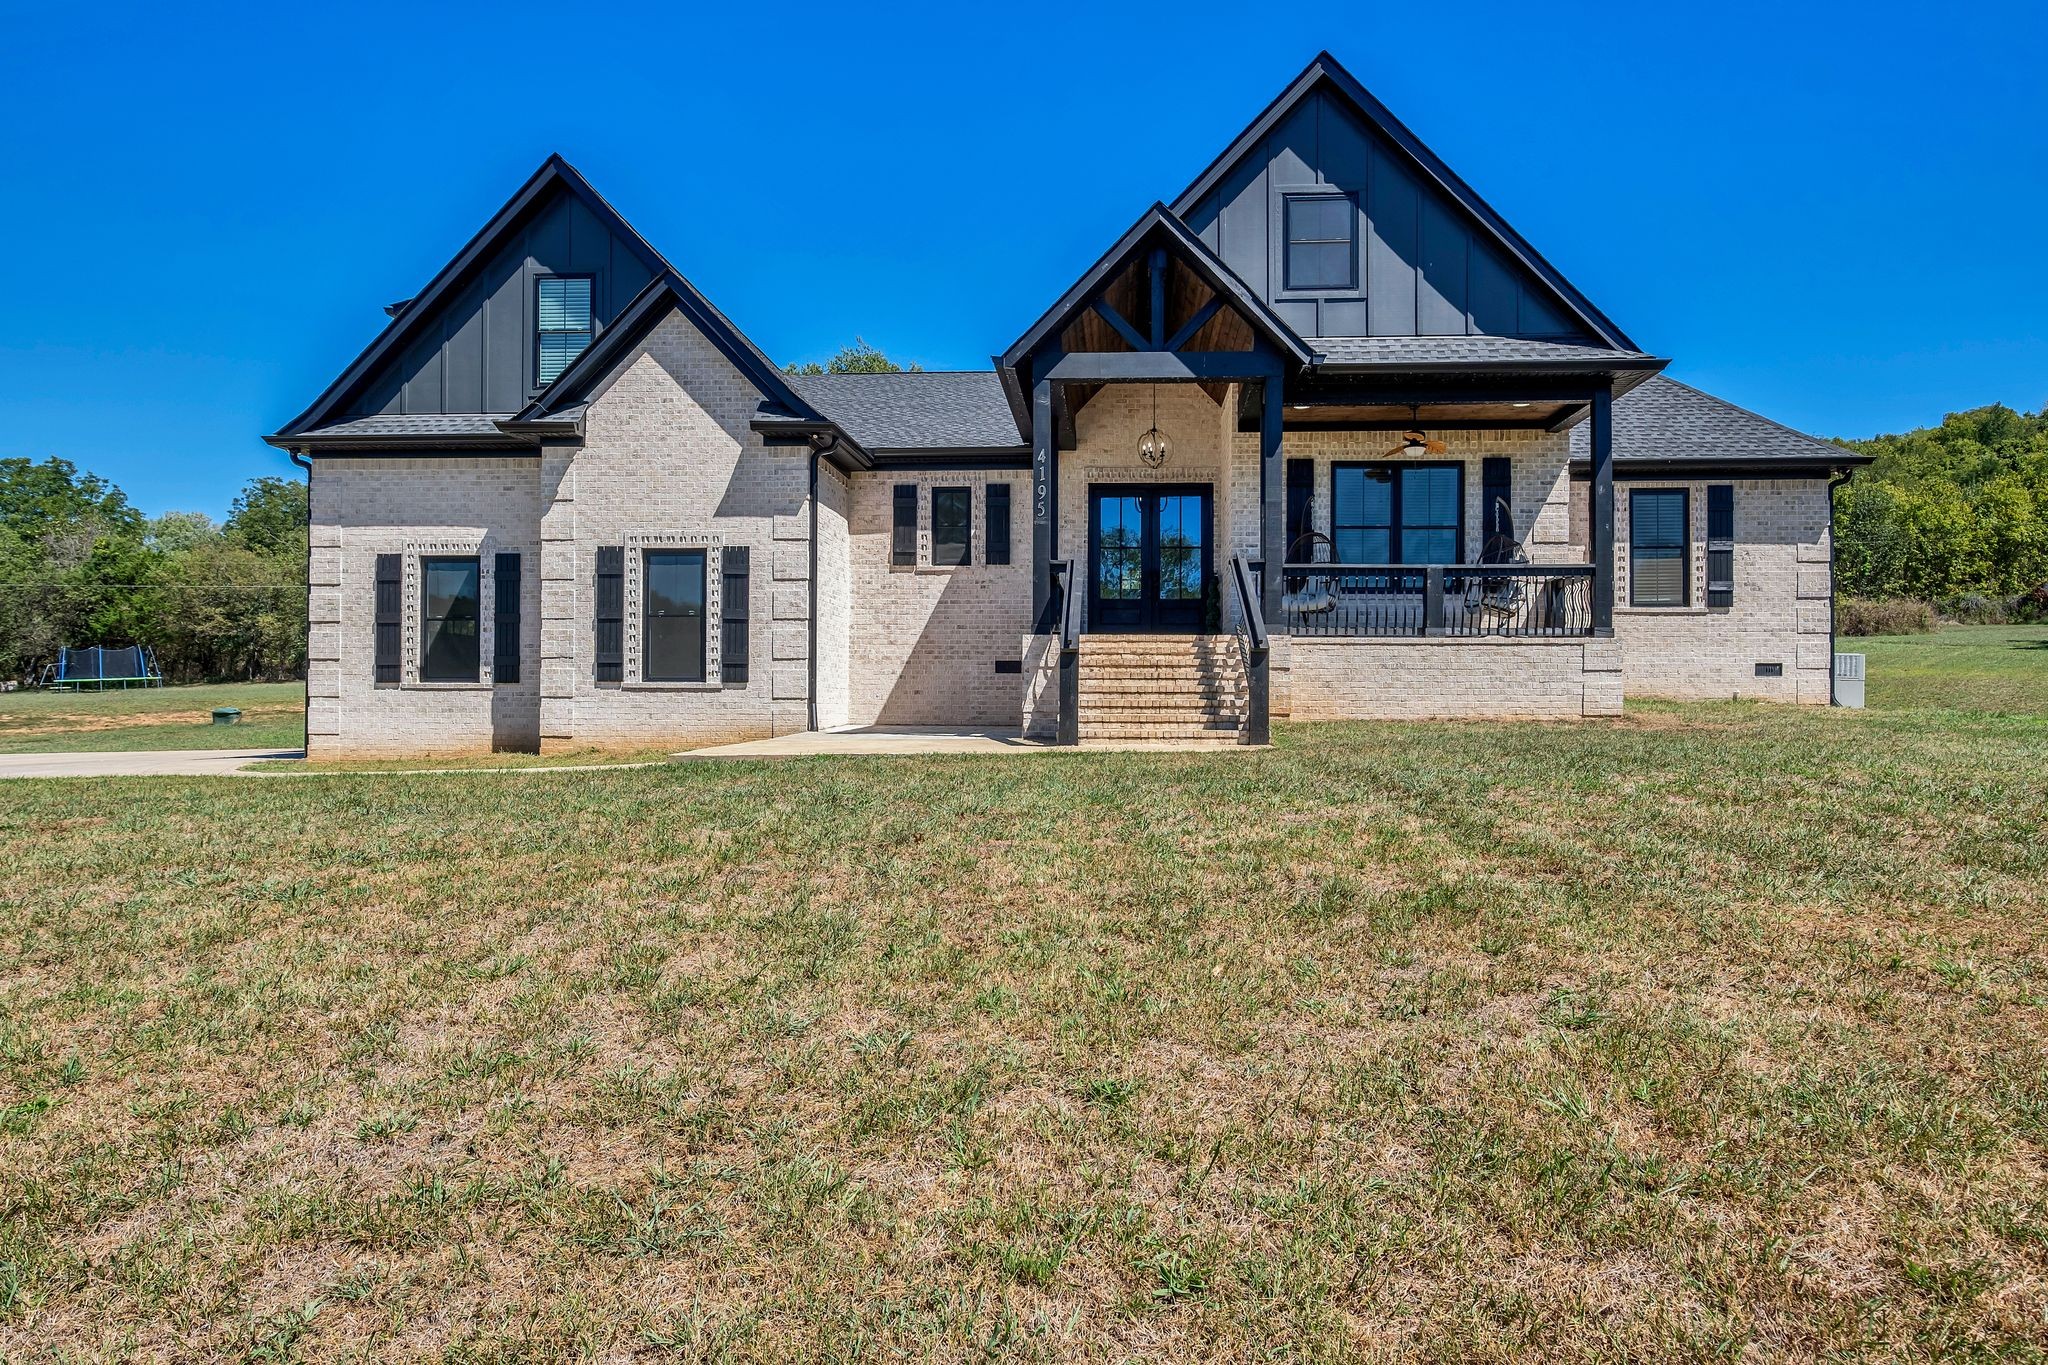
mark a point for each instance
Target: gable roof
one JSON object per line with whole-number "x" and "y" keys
{"x": 1207, "y": 264}
{"x": 1665, "y": 424}
{"x": 943, "y": 410}
{"x": 554, "y": 174}
{"x": 1327, "y": 70}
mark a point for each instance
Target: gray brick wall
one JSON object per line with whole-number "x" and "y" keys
{"x": 924, "y": 641}
{"x": 364, "y": 507}
{"x": 1780, "y": 614}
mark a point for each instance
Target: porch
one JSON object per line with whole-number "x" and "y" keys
{"x": 1197, "y": 466}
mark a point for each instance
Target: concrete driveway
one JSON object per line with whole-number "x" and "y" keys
{"x": 166, "y": 762}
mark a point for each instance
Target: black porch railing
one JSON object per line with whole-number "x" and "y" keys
{"x": 1254, "y": 649}
{"x": 1519, "y": 601}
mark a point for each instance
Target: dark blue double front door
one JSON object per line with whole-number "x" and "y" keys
{"x": 1149, "y": 557}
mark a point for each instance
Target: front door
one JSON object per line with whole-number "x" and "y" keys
{"x": 1148, "y": 557}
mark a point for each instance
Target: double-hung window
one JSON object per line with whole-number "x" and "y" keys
{"x": 1322, "y": 241}
{"x": 1397, "y": 513}
{"x": 563, "y": 323}
{"x": 672, "y": 617}
{"x": 952, "y": 527}
{"x": 450, "y": 646}
{"x": 1659, "y": 548}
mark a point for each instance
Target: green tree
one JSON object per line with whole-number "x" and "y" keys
{"x": 1948, "y": 510}
{"x": 270, "y": 515}
{"x": 859, "y": 358}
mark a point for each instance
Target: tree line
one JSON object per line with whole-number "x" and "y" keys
{"x": 1955, "y": 515}
{"x": 80, "y": 565}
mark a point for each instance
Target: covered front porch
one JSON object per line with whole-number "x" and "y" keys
{"x": 1198, "y": 467}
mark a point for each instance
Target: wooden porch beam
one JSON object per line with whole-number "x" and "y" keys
{"x": 1044, "y": 499}
{"x": 1105, "y": 310}
{"x": 1272, "y": 499}
{"x": 1195, "y": 324}
{"x": 1602, "y": 444}
{"x": 1159, "y": 299}
{"x": 1167, "y": 367}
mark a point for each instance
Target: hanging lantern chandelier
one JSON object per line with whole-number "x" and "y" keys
{"x": 1152, "y": 446}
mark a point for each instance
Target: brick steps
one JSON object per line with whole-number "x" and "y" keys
{"x": 1162, "y": 689}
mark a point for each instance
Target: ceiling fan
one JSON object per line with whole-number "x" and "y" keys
{"x": 1417, "y": 442}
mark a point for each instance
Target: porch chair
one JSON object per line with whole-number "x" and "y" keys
{"x": 1303, "y": 594}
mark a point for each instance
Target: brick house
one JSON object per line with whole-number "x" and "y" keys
{"x": 1323, "y": 437}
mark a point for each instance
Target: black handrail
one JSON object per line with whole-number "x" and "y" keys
{"x": 1067, "y": 608}
{"x": 1070, "y": 605}
{"x": 1254, "y": 646}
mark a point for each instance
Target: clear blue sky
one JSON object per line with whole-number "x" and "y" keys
{"x": 1836, "y": 215}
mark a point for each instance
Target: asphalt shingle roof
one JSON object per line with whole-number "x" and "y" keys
{"x": 918, "y": 410}
{"x": 417, "y": 424}
{"x": 1662, "y": 419}
{"x": 1452, "y": 350}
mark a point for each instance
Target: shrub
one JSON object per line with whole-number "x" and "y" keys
{"x": 1896, "y": 616}
{"x": 1975, "y": 609}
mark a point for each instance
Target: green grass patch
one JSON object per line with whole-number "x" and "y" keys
{"x": 1714, "y": 1031}
{"x": 2002, "y": 669}
{"x": 273, "y": 717}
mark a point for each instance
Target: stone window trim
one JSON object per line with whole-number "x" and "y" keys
{"x": 976, "y": 483}
{"x": 637, "y": 544}
{"x": 1696, "y": 548}
{"x": 480, "y": 548}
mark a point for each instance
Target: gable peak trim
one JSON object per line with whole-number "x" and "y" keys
{"x": 1325, "y": 69}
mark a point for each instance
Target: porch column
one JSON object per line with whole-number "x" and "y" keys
{"x": 1045, "y": 498}
{"x": 1602, "y": 440}
{"x": 1272, "y": 500}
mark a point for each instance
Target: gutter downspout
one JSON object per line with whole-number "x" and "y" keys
{"x": 305, "y": 461}
{"x": 1836, "y": 482}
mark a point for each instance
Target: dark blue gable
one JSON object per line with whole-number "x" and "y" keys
{"x": 1424, "y": 266}
{"x": 475, "y": 352}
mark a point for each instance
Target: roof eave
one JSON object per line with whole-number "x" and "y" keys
{"x": 314, "y": 443}
{"x": 1733, "y": 466}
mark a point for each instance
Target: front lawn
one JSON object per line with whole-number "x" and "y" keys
{"x": 1971, "y": 668}
{"x": 273, "y": 717}
{"x": 1712, "y": 1031}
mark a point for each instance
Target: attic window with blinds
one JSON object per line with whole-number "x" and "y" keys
{"x": 1322, "y": 242}
{"x": 563, "y": 322}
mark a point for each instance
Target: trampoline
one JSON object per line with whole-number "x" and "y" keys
{"x": 102, "y": 666}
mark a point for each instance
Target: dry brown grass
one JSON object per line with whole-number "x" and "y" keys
{"x": 1716, "y": 1031}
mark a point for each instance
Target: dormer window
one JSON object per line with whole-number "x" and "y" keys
{"x": 563, "y": 323}
{"x": 1322, "y": 241}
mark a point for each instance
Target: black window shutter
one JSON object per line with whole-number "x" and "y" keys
{"x": 505, "y": 622}
{"x": 996, "y": 509}
{"x": 390, "y": 617}
{"x": 1301, "y": 492}
{"x": 903, "y": 546}
{"x": 1720, "y": 546}
{"x": 733, "y": 614}
{"x": 611, "y": 613}
{"x": 1496, "y": 511}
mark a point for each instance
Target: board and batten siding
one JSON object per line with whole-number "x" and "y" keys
{"x": 476, "y": 354}
{"x": 1424, "y": 267}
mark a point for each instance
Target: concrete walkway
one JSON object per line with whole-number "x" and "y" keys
{"x": 876, "y": 739}
{"x": 138, "y": 763}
